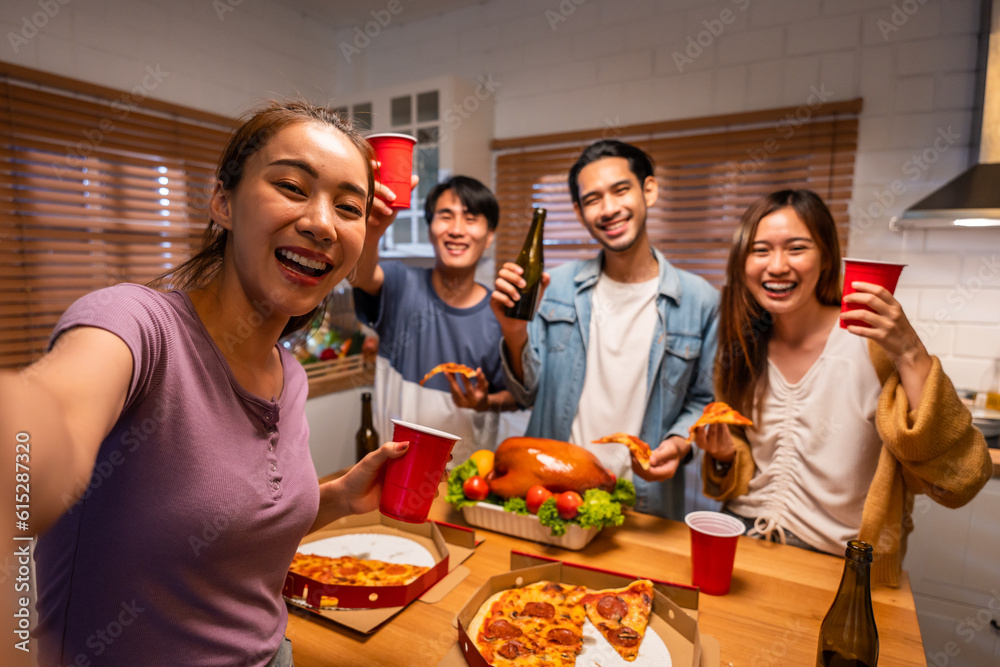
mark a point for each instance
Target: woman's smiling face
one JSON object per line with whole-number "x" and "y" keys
{"x": 784, "y": 263}
{"x": 297, "y": 217}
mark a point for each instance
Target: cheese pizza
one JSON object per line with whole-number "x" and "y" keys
{"x": 640, "y": 450}
{"x": 449, "y": 367}
{"x": 718, "y": 413}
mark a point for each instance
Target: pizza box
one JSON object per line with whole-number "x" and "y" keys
{"x": 673, "y": 618}
{"x": 526, "y": 526}
{"x": 365, "y": 608}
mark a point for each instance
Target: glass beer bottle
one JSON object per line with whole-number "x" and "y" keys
{"x": 366, "y": 439}
{"x": 530, "y": 259}
{"x": 847, "y": 637}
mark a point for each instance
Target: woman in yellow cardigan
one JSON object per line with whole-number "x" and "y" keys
{"x": 849, "y": 423}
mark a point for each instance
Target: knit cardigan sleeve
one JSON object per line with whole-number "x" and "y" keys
{"x": 941, "y": 453}
{"x": 734, "y": 482}
{"x": 931, "y": 449}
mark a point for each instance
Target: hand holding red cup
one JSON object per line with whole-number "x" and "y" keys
{"x": 395, "y": 153}
{"x": 411, "y": 481}
{"x": 884, "y": 274}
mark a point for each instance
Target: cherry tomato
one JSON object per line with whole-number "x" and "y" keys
{"x": 537, "y": 495}
{"x": 568, "y": 505}
{"x": 476, "y": 488}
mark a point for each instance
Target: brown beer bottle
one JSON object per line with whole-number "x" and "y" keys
{"x": 847, "y": 637}
{"x": 366, "y": 439}
{"x": 530, "y": 259}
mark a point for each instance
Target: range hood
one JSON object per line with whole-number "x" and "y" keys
{"x": 972, "y": 199}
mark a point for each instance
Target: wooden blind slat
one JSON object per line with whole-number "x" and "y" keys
{"x": 708, "y": 171}
{"x": 96, "y": 188}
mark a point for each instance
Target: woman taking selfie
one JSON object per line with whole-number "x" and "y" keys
{"x": 849, "y": 423}
{"x": 187, "y": 418}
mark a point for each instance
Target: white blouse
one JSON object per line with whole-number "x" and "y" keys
{"x": 816, "y": 448}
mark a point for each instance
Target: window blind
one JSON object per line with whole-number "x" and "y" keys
{"x": 708, "y": 171}
{"x": 97, "y": 187}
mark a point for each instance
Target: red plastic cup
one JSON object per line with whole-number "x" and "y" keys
{"x": 885, "y": 274}
{"x": 395, "y": 152}
{"x": 412, "y": 480}
{"x": 713, "y": 549}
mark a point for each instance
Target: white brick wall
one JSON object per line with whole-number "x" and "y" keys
{"x": 612, "y": 61}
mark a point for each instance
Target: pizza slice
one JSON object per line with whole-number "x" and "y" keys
{"x": 449, "y": 367}
{"x": 718, "y": 413}
{"x": 621, "y": 615}
{"x": 538, "y": 624}
{"x": 640, "y": 450}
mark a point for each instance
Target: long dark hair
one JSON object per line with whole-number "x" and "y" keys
{"x": 744, "y": 326}
{"x": 255, "y": 130}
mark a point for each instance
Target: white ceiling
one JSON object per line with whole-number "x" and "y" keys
{"x": 347, "y": 14}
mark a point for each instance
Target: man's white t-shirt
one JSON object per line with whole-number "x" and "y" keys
{"x": 622, "y": 322}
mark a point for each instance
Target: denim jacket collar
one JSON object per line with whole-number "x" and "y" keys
{"x": 669, "y": 282}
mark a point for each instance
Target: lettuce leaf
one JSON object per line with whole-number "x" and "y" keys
{"x": 516, "y": 505}
{"x": 458, "y": 475}
{"x": 548, "y": 516}
{"x": 624, "y": 493}
{"x": 599, "y": 510}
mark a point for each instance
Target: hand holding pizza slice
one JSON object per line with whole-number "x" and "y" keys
{"x": 640, "y": 450}
{"x": 449, "y": 367}
{"x": 718, "y": 413}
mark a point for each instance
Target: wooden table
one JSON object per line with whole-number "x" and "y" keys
{"x": 771, "y": 616}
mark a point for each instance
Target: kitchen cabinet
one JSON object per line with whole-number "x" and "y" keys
{"x": 955, "y": 576}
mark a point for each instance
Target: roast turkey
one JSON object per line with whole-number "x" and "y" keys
{"x": 521, "y": 463}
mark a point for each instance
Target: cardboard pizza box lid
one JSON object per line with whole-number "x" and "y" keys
{"x": 365, "y": 608}
{"x": 671, "y": 621}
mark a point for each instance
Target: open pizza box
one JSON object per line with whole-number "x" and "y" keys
{"x": 673, "y": 619}
{"x": 365, "y": 608}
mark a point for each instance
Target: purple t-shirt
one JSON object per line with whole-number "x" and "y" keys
{"x": 178, "y": 550}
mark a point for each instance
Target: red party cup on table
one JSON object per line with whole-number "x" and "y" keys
{"x": 713, "y": 549}
{"x": 395, "y": 152}
{"x": 885, "y": 274}
{"x": 412, "y": 480}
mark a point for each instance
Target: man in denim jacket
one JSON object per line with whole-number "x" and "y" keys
{"x": 620, "y": 342}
